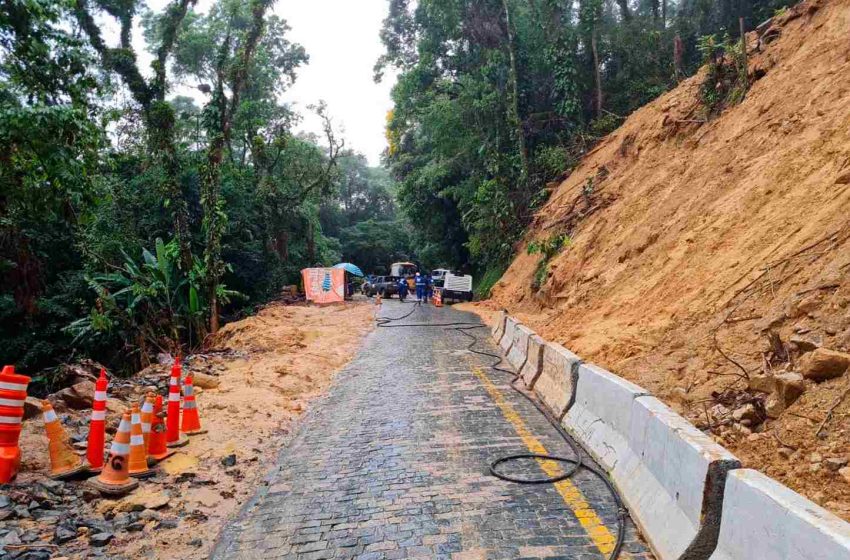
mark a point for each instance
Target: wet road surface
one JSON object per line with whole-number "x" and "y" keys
{"x": 393, "y": 463}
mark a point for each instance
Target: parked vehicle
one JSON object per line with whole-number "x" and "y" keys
{"x": 457, "y": 287}
{"x": 386, "y": 286}
{"x": 438, "y": 276}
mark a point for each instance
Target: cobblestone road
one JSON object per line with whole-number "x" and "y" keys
{"x": 393, "y": 463}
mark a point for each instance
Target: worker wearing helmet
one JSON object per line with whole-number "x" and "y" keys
{"x": 420, "y": 287}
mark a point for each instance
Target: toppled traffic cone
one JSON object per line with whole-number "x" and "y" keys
{"x": 147, "y": 419}
{"x": 191, "y": 419}
{"x": 64, "y": 463}
{"x": 97, "y": 426}
{"x": 13, "y": 393}
{"x": 138, "y": 455}
{"x": 172, "y": 421}
{"x": 115, "y": 479}
{"x": 157, "y": 449}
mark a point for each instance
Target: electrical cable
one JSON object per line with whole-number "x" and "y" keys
{"x": 575, "y": 463}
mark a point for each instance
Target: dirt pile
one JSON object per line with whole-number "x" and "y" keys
{"x": 258, "y": 378}
{"x": 710, "y": 262}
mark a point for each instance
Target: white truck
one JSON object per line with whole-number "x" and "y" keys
{"x": 457, "y": 287}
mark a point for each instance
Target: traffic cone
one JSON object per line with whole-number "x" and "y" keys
{"x": 191, "y": 419}
{"x": 115, "y": 479}
{"x": 13, "y": 393}
{"x": 64, "y": 463}
{"x": 138, "y": 455}
{"x": 97, "y": 426}
{"x": 378, "y": 299}
{"x": 172, "y": 422}
{"x": 438, "y": 298}
{"x": 147, "y": 418}
{"x": 157, "y": 449}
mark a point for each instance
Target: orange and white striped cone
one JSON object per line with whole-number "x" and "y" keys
{"x": 191, "y": 418}
{"x": 97, "y": 426}
{"x": 157, "y": 448}
{"x": 114, "y": 479}
{"x": 13, "y": 393}
{"x": 172, "y": 421}
{"x": 438, "y": 297}
{"x": 147, "y": 419}
{"x": 138, "y": 456}
{"x": 64, "y": 463}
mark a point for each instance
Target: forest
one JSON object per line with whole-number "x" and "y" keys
{"x": 147, "y": 195}
{"x": 137, "y": 216}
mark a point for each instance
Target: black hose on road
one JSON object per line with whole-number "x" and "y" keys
{"x": 575, "y": 463}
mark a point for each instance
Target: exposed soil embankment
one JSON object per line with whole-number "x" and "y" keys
{"x": 705, "y": 256}
{"x": 256, "y": 381}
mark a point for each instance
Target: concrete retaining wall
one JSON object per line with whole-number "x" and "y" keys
{"x": 519, "y": 347}
{"x": 556, "y": 384}
{"x": 508, "y": 335}
{"x": 534, "y": 364}
{"x": 764, "y": 520}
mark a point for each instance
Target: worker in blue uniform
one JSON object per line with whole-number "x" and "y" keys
{"x": 402, "y": 288}
{"x": 420, "y": 287}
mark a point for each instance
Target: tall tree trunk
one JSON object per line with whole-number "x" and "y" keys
{"x": 596, "y": 71}
{"x": 214, "y": 215}
{"x": 514, "y": 115}
{"x": 663, "y": 14}
{"x": 624, "y": 10}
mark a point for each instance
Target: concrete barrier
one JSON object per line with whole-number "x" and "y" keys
{"x": 519, "y": 348}
{"x": 672, "y": 480}
{"x": 601, "y": 417}
{"x": 499, "y": 326}
{"x": 556, "y": 384}
{"x": 764, "y": 520}
{"x": 508, "y": 335}
{"x": 533, "y": 366}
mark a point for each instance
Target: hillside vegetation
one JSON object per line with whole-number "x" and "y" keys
{"x": 706, "y": 258}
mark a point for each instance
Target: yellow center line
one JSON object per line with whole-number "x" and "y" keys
{"x": 573, "y": 497}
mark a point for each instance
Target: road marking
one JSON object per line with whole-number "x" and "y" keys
{"x": 573, "y": 497}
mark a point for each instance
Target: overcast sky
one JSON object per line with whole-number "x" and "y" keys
{"x": 341, "y": 37}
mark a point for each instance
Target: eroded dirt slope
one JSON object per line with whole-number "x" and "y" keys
{"x": 691, "y": 240}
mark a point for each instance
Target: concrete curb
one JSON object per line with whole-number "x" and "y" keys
{"x": 533, "y": 367}
{"x": 764, "y": 520}
{"x": 688, "y": 495}
{"x": 518, "y": 353}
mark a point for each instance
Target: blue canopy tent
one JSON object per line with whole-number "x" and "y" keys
{"x": 350, "y": 268}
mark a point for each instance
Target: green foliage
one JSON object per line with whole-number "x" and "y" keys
{"x": 725, "y": 82}
{"x": 147, "y": 305}
{"x": 547, "y": 249}
{"x": 485, "y": 283}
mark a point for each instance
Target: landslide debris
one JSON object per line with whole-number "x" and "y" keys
{"x": 709, "y": 259}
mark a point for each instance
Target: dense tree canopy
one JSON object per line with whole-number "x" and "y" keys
{"x": 133, "y": 215}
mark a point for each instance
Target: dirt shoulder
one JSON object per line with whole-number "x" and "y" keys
{"x": 260, "y": 377}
